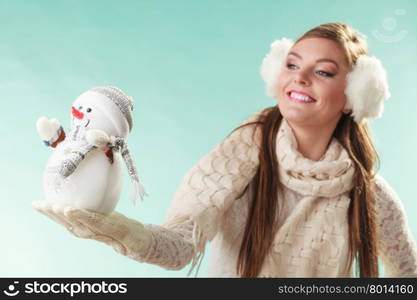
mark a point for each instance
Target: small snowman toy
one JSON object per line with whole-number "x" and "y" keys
{"x": 85, "y": 168}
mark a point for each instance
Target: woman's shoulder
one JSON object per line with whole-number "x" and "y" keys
{"x": 381, "y": 184}
{"x": 256, "y": 117}
{"x": 386, "y": 196}
{"x": 248, "y": 131}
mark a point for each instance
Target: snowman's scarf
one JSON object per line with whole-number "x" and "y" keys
{"x": 71, "y": 162}
{"x": 120, "y": 144}
{"x": 80, "y": 148}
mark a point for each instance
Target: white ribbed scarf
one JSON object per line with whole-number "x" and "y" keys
{"x": 313, "y": 240}
{"x": 313, "y": 237}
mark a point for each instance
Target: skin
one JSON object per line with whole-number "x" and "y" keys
{"x": 318, "y": 67}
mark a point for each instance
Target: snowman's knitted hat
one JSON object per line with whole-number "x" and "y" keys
{"x": 120, "y": 99}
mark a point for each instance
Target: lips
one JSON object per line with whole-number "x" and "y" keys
{"x": 300, "y": 97}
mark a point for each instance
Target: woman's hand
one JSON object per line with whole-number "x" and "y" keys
{"x": 126, "y": 236}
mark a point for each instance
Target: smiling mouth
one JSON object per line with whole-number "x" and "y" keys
{"x": 88, "y": 122}
{"x": 300, "y": 98}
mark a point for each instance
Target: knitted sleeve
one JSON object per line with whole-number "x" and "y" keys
{"x": 397, "y": 248}
{"x": 204, "y": 195}
{"x": 170, "y": 248}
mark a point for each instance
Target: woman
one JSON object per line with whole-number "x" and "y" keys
{"x": 292, "y": 192}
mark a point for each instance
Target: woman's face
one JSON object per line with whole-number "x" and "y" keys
{"x": 312, "y": 82}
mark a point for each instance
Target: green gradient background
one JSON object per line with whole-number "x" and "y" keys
{"x": 193, "y": 68}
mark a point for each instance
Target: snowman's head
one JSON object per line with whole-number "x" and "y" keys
{"x": 104, "y": 108}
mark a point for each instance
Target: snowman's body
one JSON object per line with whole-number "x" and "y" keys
{"x": 95, "y": 184}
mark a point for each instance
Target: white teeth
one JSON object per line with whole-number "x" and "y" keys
{"x": 300, "y": 97}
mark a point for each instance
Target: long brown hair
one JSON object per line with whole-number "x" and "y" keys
{"x": 356, "y": 139}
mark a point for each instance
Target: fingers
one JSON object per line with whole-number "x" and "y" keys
{"x": 56, "y": 212}
{"x": 83, "y": 216}
{"x": 111, "y": 229}
{"x": 46, "y": 208}
{"x": 101, "y": 223}
{"x": 74, "y": 227}
{"x": 105, "y": 227}
{"x": 93, "y": 223}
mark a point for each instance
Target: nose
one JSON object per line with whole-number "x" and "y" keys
{"x": 76, "y": 113}
{"x": 302, "y": 78}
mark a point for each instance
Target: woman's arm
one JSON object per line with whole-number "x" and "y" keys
{"x": 170, "y": 248}
{"x": 213, "y": 183}
{"x": 397, "y": 246}
{"x": 202, "y": 198}
{"x": 206, "y": 192}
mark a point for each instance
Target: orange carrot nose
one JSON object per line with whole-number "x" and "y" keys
{"x": 76, "y": 113}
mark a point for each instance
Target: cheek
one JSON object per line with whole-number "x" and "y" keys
{"x": 335, "y": 93}
{"x": 282, "y": 83}
{"x": 97, "y": 122}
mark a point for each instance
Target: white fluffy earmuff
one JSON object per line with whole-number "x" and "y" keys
{"x": 366, "y": 86}
{"x": 273, "y": 63}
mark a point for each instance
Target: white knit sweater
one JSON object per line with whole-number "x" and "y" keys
{"x": 312, "y": 236}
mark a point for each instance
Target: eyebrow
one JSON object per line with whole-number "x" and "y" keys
{"x": 319, "y": 60}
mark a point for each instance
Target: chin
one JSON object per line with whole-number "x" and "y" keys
{"x": 298, "y": 121}
{"x": 293, "y": 113}
{"x": 299, "y": 118}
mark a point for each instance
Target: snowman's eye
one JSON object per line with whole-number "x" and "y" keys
{"x": 80, "y": 107}
{"x": 88, "y": 110}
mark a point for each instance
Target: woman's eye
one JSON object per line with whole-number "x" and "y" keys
{"x": 291, "y": 66}
{"x": 88, "y": 110}
{"x": 326, "y": 74}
